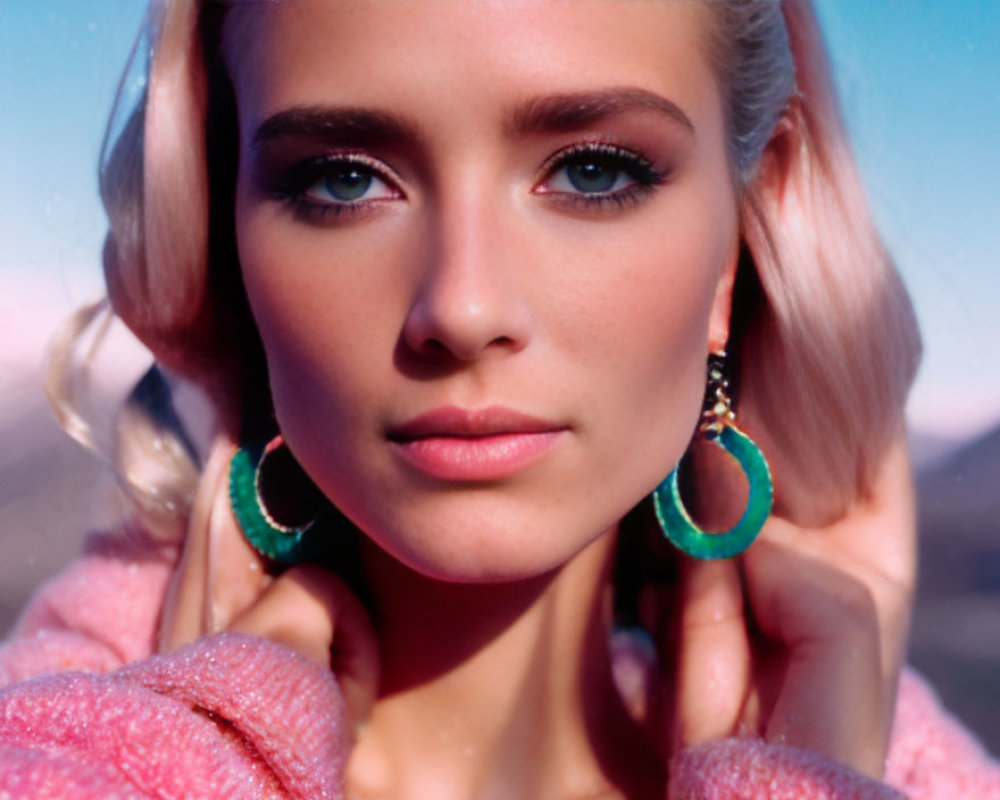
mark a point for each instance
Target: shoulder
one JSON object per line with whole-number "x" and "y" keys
{"x": 223, "y": 717}
{"x": 98, "y": 614}
{"x": 931, "y": 754}
{"x": 931, "y": 757}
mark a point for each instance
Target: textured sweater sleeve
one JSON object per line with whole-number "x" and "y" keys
{"x": 740, "y": 768}
{"x": 932, "y": 757}
{"x": 100, "y": 613}
{"x": 228, "y": 716}
{"x": 750, "y": 769}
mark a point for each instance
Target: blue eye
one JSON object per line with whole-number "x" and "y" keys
{"x": 336, "y": 186}
{"x": 591, "y": 175}
{"x": 595, "y": 173}
{"x": 344, "y": 182}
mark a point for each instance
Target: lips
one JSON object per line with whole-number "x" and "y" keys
{"x": 455, "y": 444}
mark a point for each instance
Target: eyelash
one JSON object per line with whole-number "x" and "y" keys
{"x": 639, "y": 169}
{"x": 294, "y": 185}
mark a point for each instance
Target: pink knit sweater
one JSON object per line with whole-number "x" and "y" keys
{"x": 238, "y": 717}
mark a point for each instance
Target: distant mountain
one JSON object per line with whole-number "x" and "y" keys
{"x": 968, "y": 472}
{"x": 958, "y": 502}
{"x": 929, "y": 449}
{"x": 956, "y": 624}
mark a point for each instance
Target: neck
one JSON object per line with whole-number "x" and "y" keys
{"x": 498, "y": 690}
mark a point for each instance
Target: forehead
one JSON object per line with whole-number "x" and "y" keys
{"x": 474, "y": 52}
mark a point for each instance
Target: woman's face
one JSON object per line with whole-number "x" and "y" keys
{"x": 488, "y": 247}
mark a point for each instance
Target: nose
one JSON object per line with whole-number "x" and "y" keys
{"x": 471, "y": 300}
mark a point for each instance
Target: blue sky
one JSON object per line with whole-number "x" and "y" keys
{"x": 919, "y": 88}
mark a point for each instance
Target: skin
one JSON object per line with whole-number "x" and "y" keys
{"x": 472, "y": 274}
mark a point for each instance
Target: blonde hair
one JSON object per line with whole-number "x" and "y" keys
{"x": 824, "y": 334}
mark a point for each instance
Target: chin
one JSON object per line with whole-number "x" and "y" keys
{"x": 491, "y": 552}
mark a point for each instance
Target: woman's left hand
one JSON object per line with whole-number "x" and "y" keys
{"x": 801, "y": 639}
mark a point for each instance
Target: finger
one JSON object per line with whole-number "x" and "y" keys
{"x": 713, "y": 659}
{"x": 184, "y": 618}
{"x": 831, "y": 697}
{"x": 895, "y": 556}
{"x": 237, "y": 573}
{"x": 882, "y": 531}
{"x": 218, "y": 574}
{"x": 315, "y": 613}
{"x": 873, "y": 546}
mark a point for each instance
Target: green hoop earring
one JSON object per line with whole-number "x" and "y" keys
{"x": 286, "y": 544}
{"x": 718, "y": 426}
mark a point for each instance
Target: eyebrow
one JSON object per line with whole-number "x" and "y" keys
{"x": 553, "y": 113}
{"x": 344, "y": 125}
{"x": 572, "y": 111}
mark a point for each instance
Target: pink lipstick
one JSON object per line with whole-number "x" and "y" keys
{"x": 455, "y": 444}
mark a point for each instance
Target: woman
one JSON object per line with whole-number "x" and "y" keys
{"x": 466, "y": 262}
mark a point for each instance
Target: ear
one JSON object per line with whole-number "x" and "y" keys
{"x": 782, "y": 159}
{"x": 778, "y": 176}
{"x": 722, "y": 304}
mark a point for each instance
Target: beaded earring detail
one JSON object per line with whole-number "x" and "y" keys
{"x": 718, "y": 426}
{"x": 285, "y": 544}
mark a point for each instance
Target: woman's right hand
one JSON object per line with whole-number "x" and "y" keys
{"x": 222, "y": 584}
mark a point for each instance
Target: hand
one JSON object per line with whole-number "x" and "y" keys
{"x": 221, "y": 583}
{"x": 801, "y": 639}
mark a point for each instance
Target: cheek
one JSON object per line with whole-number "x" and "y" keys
{"x": 320, "y": 313}
{"x": 641, "y": 321}
{"x": 652, "y": 295}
